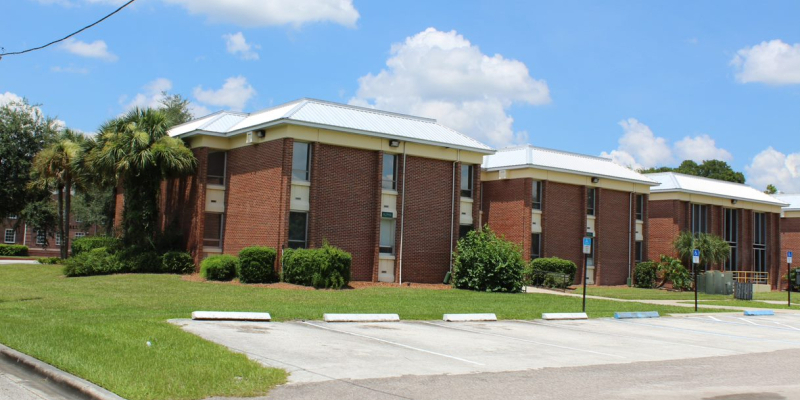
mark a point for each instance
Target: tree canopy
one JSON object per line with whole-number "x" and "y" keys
{"x": 715, "y": 169}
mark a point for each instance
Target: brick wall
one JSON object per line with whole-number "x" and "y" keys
{"x": 564, "y": 222}
{"x": 428, "y": 213}
{"x": 504, "y": 209}
{"x": 790, "y": 240}
{"x": 345, "y": 204}
{"x": 615, "y": 219}
{"x": 776, "y": 261}
{"x": 666, "y": 219}
{"x": 746, "y": 240}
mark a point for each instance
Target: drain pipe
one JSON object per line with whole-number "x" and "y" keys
{"x": 630, "y": 238}
{"x": 25, "y": 235}
{"x": 452, "y": 211}
{"x": 402, "y": 216}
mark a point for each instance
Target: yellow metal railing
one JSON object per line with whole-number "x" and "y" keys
{"x": 751, "y": 277}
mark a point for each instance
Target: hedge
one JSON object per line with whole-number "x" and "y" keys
{"x": 219, "y": 268}
{"x": 257, "y": 265}
{"x": 645, "y": 274}
{"x": 13, "y": 250}
{"x": 93, "y": 262}
{"x": 489, "y": 263}
{"x": 87, "y": 243}
{"x": 550, "y": 272}
{"x": 327, "y": 267}
{"x": 177, "y": 262}
{"x": 49, "y": 260}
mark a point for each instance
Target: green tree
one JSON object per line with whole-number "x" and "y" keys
{"x": 135, "y": 150}
{"x": 41, "y": 216}
{"x": 713, "y": 249}
{"x": 176, "y": 109}
{"x": 771, "y": 189}
{"x": 24, "y": 131}
{"x": 715, "y": 169}
{"x": 55, "y": 164}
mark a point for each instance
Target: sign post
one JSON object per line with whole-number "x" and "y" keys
{"x": 695, "y": 262}
{"x": 587, "y": 249}
{"x": 789, "y": 277}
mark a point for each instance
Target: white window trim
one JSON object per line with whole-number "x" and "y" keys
{"x": 14, "y": 237}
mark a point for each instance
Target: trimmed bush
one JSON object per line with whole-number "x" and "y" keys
{"x": 328, "y": 267}
{"x": 645, "y": 274}
{"x": 672, "y": 270}
{"x": 792, "y": 274}
{"x": 140, "y": 260}
{"x": 93, "y": 262}
{"x": 177, "y": 262}
{"x": 49, "y": 260}
{"x": 551, "y": 272}
{"x": 13, "y": 250}
{"x": 489, "y": 263}
{"x": 219, "y": 268}
{"x": 87, "y": 243}
{"x": 257, "y": 265}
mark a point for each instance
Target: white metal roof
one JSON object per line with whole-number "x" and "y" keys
{"x": 528, "y": 156}
{"x": 792, "y": 199}
{"x": 675, "y": 182}
{"x": 334, "y": 116}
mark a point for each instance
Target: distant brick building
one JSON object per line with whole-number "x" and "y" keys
{"x": 391, "y": 189}
{"x": 749, "y": 220}
{"x": 790, "y": 229}
{"x": 548, "y": 200}
{"x": 40, "y": 243}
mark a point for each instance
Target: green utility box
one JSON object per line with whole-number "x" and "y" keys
{"x": 715, "y": 282}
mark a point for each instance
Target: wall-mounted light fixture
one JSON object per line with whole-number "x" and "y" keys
{"x": 595, "y": 179}
{"x": 394, "y": 143}
{"x": 734, "y": 201}
{"x": 261, "y": 133}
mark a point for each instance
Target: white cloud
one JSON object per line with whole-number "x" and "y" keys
{"x": 273, "y": 12}
{"x": 96, "y": 49}
{"x": 234, "y": 94}
{"x": 70, "y": 69}
{"x": 36, "y": 111}
{"x": 237, "y": 45}
{"x": 152, "y": 96}
{"x": 9, "y": 97}
{"x": 773, "y": 167}
{"x": 773, "y": 63}
{"x": 442, "y": 75}
{"x": 198, "y": 110}
{"x": 700, "y": 148}
{"x": 640, "y": 148}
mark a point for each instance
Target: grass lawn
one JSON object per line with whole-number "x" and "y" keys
{"x": 712, "y": 299}
{"x": 749, "y": 304}
{"x": 19, "y": 257}
{"x": 97, "y": 327}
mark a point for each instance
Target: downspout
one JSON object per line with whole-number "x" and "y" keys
{"x": 452, "y": 211}
{"x": 402, "y": 215}
{"x": 630, "y": 238}
{"x": 25, "y": 235}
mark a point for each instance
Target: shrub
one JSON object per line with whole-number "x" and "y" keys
{"x": 139, "y": 260}
{"x": 87, "y": 243}
{"x": 550, "y": 272}
{"x": 645, "y": 274}
{"x": 671, "y": 269}
{"x": 49, "y": 260}
{"x": 792, "y": 274}
{"x": 177, "y": 262}
{"x": 328, "y": 267}
{"x": 257, "y": 265}
{"x": 219, "y": 268}
{"x": 488, "y": 263}
{"x": 13, "y": 250}
{"x": 93, "y": 262}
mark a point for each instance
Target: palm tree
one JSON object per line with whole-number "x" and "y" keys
{"x": 53, "y": 167}
{"x": 136, "y": 151}
{"x": 713, "y": 249}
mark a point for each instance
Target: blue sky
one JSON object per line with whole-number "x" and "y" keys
{"x": 646, "y": 83}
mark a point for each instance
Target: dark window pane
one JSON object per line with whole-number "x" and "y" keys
{"x": 387, "y": 236}
{"x": 463, "y": 230}
{"x": 212, "y": 230}
{"x": 297, "y": 229}
{"x": 537, "y": 195}
{"x": 466, "y": 180}
{"x": 536, "y": 246}
{"x": 301, "y": 161}
{"x": 389, "y": 171}
{"x": 639, "y": 207}
{"x": 639, "y": 256}
{"x": 215, "y": 174}
{"x": 590, "y": 201}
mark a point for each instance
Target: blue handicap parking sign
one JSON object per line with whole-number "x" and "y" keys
{"x": 587, "y": 241}
{"x": 696, "y": 253}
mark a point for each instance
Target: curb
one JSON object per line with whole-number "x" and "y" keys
{"x": 47, "y": 371}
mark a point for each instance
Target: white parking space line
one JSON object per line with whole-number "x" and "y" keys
{"x": 794, "y": 343}
{"x": 788, "y": 326}
{"x": 523, "y": 340}
{"x": 748, "y": 321}
{"x": 617, "y": 335}
{"x": 714, "y": 318}
{"x": 392, "y": 343}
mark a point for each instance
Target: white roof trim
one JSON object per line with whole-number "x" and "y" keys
{"x": 724, "y": 189}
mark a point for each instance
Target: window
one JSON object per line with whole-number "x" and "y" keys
{"x": 301, "y": 162}
{"x": 41, "y": 237}
{"x": 389, "y": 171}
{"x": 58, "y": 239}
{"x": 590, "y": 193}
{"x": 640, "y": 207}
{"x": 699, "y": 218}
{"x": 10, "y": 236}
{"x": 79, "y": 235}
{"x": 387, "y": 235}
{"x": 215, "y": 173}
{"x": 298, "y": 230}
{"x": 78, "y": 220}
{"x": 639, "y": 252}
{"x": 760, "y": 242}
{"x": 463, "y": 230}
{"x": 466, "y": 181}
{"x": 536, "y": 246}
{"x": 537, "y": 195}
{"x": 212, "y": 230}
{"x": 13, "y": 216}
{"x": 730, "y": 233}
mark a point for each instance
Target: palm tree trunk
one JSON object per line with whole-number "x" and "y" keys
{"x": 61, "y": 212}
{"x": 67, "y": 202}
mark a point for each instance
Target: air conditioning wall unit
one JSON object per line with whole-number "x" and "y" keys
{"x": 502, "y": 174}
{"x": 249, "y": 139}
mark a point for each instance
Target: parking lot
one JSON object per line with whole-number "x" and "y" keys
{"x": 315, "y": 351}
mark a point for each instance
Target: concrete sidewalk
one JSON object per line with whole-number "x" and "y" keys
{"x": 677, "y": 303}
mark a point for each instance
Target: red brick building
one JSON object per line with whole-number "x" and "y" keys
{"x": 790, "y": 228}
{"x": 42, "y": 244}
{"x": 748, "y": 219}
{"x": 391, "y": 189}
{"x": 548, "y": 200}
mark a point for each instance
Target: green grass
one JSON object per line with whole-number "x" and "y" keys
{"x": 19, "y": 257}
{"x": 97, "y": 327}
{"x": 749, "y": 304}
{"x": 632, "y": 293}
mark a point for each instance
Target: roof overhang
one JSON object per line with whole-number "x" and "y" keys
{"x": 570, "y": 171}
{"x": 717, "y": 195}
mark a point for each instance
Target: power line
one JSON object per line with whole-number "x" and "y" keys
{"x": 70, "y": 35}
